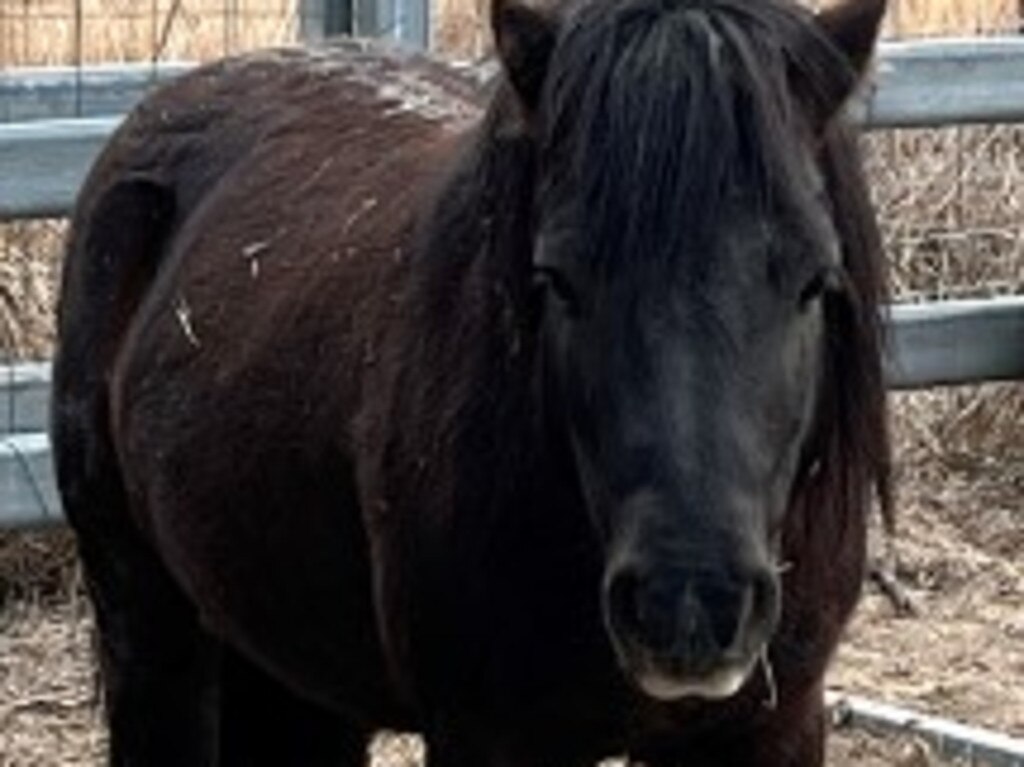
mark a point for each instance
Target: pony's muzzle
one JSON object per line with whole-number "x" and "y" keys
{"x": 694, "y": 633}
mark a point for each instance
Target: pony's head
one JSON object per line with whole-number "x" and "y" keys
{"x": 692, "y": 279}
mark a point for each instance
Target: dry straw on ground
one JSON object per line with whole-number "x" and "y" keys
{"x": 952, "y": 207}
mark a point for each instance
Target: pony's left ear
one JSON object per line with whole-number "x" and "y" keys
{"x": 524, "y": 38}
{"x": 853, "y": 26}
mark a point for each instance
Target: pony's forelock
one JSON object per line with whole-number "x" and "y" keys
{"x": 655, "y": 111}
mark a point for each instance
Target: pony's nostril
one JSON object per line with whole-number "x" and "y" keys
{"x": 744, "y": 617}
{"x": 641, "y": 613}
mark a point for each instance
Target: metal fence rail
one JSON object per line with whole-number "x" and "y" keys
{"x": 42, "y": 162}
{"x": 949, "y": 342}
{"x": 949, "y": 739}
{"x": 933, "y": 83}
{"x": 941, "y": 343}
{"x": 946, "y": 343}
{"x": 43, "y": 93}
{"x": 28, "y": 491}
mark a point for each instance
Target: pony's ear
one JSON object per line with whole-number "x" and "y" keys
{"x": 853, "y": 26}
{"x": 524, "y": 38}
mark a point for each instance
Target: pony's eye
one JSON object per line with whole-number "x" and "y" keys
{"x": 555, "y": 281}
{"x": 815, "y": 288}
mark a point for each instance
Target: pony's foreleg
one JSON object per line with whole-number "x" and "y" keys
{"x": 264, "y": 724}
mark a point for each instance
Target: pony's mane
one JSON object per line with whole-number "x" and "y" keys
{"x": 854, "y": 434}
{"x": 660, "y": 109}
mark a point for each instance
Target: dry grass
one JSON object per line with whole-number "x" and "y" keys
{"x": 939, "y": 17}
{"x": 951, "y": 203}
{"x": 35, "y": 32}
{"x": 54, "y": 719}
{"x": 41, "y": 566}
{"x": 29, "y": 256}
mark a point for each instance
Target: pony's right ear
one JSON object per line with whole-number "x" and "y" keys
{"x": 524, "y": 38}
{"x": 853, "y": 26}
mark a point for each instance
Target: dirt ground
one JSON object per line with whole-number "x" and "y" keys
{"x": 961, "y": 656}
{"x": 49, "y": 715}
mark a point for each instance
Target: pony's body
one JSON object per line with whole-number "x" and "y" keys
{"x": 262, "y": 374}
{"x": 299, "y": 437}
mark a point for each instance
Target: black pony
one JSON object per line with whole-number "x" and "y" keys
{"x": 544, "y": 422}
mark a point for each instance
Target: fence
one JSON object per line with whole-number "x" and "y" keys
{"x": 61, "y": 32}
{"x": 42, "y": 163}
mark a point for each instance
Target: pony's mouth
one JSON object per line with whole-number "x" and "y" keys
{"x": 664, "y": 681}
